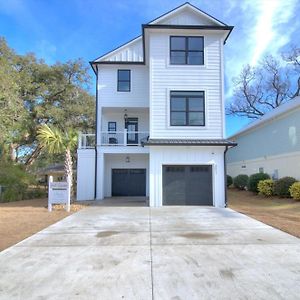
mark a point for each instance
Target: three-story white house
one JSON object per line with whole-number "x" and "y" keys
{"x": 160, "y": 115}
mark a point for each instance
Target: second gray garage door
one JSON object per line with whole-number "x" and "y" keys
{"x": 187, "y": 185}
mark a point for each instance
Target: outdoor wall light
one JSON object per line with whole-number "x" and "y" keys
{"x": 127, "y": 159}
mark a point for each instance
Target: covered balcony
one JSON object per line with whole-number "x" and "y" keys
{"x": 120, "y": 127}
{"x": 117, "y": 138}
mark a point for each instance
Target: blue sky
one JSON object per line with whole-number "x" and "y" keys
{"x": 59, "y": 30}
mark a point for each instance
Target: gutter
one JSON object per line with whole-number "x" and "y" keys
{"x": 225, "y": 176}
{"x": 96, "y": 140}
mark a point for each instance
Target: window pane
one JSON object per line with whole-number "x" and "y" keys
{"x": 124, "y": 75}
{"x": 196, "y": 118}
{"x": 178, "y": 118}
{"x": 195, "y": 43}
{"x": 178, "y": 104}
{"x": 195, "y": 58}
{"x": 124, "y": 86}
{"x": 177, "y": 57}
{"x": 196, "y": 104}
{"x": 177, "y": 43}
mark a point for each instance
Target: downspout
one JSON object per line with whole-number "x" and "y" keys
{"x": 225, "y": 176}
{"x": 96, "y": 137}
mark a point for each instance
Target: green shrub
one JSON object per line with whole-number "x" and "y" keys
{"x": 35, "y": 193}
{"x": 295, "y": 190}
{"x": 15, "y": 180}
{"x": 254, "y": 179}
{"x": 229, "y": 180}
{"x": 11, "y": 195}
{"x": 240, "y": 181}
{"x": 266, "y": 187}
{"x": 282, "y": 186}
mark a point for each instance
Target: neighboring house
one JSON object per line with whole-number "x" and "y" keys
{"x": 57, "y": 171}
{"x": 160, "y": 115}
{"x": 270, "y": 145}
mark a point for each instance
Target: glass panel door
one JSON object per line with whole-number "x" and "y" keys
{"x": 132, "y": 131}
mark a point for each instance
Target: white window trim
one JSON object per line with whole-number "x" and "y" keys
{"x": 171, "y": 66}
{"x": 168, "y": 114}
{"x": 130, "y": 82}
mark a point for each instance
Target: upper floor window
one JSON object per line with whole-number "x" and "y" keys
{"x": 187, "y": 108}
{"x": 187, "y": 50}
{"x": 123, "y": 80}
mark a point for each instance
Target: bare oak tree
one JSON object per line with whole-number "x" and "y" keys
{"x": 264, "y": 87}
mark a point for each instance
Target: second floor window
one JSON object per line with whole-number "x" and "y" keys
{"x": 187, "y": 50}
{"x": 123, "y": 80}
{"x": 187, "y": 108}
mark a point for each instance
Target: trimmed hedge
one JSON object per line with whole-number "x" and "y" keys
{"x": 229, "y": 180}
{"x": 295, "y": 190}
{"x": 282, "y": 186}
{"x": 266, "y": 187}
{"x": 240, "y": 181}
{"x": 254, "y": 179}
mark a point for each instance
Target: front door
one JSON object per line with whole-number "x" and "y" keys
{"x": 132, "y": 131}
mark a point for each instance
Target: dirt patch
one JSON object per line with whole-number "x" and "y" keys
{"x": 281, "y": 213}
{"x": 103, "y": 234}
{"x": 21, "y": 219}
{"x": 197, "y": 235}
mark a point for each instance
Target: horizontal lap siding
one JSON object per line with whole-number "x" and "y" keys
{"x": 165, "y": 78}
{"x": 107, "y": 88}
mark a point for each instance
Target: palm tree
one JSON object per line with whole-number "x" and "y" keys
{"x": 56, "y": 141}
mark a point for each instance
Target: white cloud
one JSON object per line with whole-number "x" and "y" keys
{"x": 271, "y": 16}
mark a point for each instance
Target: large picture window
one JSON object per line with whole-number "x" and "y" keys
{"x": 123, "y": 80}
{"x": 187, "y": 108}
{"x": 187, "y": 50}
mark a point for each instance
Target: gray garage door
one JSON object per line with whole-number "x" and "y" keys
{"x": 187, "y": 185}
{"x": 128, "y": 182}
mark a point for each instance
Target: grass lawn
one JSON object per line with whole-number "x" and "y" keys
{"x": 278, "y": 212}
{"x": 21, "y": 219}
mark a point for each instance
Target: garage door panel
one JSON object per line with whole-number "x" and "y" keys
{"x": 174, "y": 186}
{"x": 187, "y": 185}
{"x": 128, "y": 182}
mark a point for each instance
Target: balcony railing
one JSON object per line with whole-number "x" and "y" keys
{"x": 113, "y": 138}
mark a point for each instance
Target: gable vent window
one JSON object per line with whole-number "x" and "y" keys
{"x": 187, "y": 50}
{"x": 124, "y": 80}
{"x": 187, "y": 108}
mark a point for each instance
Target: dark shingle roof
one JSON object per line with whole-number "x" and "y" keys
{"x": 189, "y": 142}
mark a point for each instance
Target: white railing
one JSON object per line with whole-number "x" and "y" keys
{"x": 86, "y": 140}
{"x": 113, "y": 138}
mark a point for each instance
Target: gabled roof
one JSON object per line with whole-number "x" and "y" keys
{"x": 185, "y": 16}
{"x": 271, "y": 115}
{"x": 186, "y": 5}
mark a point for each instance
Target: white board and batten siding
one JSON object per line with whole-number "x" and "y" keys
{"x": 186, "y": 155}
{"x": 165, "y": 78}
{"x": 85, "y": 174}
{"x": 131, "y": 51}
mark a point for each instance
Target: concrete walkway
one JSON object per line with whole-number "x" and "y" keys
{"x": 161, "y": 253}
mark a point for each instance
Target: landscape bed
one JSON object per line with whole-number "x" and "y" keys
{"x": 281, "y": 213}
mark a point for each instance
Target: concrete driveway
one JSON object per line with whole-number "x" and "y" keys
{"x": 160, "y": 253}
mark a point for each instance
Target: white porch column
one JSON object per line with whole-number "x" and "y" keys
{"x": 125, "y": 137}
